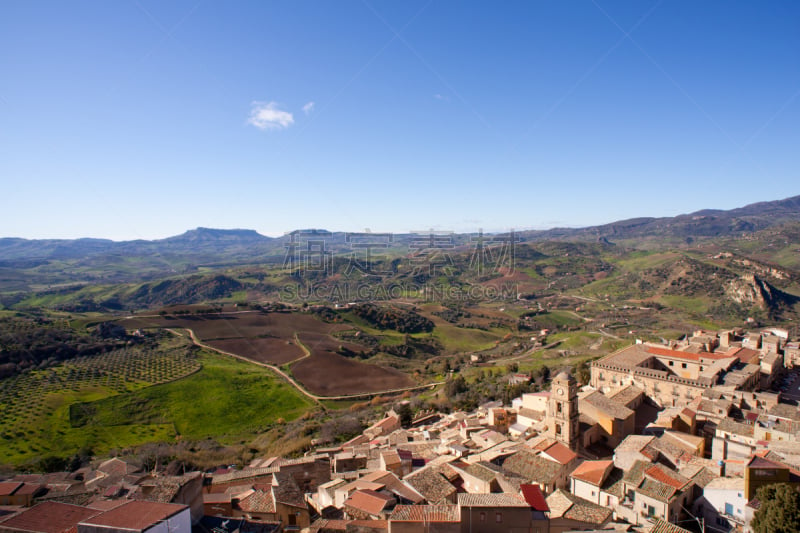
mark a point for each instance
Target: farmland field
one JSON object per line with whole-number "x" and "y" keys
{"x": 263, "y": 350}
{"x": 35, "y": 406}
{"x": 136, "y": 395}
{"x": 271, "y": 338}
{"x": 352, "y": 377}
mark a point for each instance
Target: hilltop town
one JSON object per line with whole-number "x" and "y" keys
{"x": 665, "y": 438}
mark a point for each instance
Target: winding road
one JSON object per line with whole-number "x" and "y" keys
{"x": 286, "y": 377}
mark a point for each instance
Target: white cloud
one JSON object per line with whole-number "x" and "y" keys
{"x": 267, "y": 116}
{"x": 308, "y": 108}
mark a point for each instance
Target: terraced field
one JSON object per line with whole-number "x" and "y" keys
{"x": 35, "y": 406}
{"x": 137, "y": 395}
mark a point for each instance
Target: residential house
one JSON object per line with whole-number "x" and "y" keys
{"x": 428, "y": 518}
{"x": 761, "y": 471}
{"x": 433, "y": 483}
{"x": 654, "y": 491}
{"x": 534, "y": 469}
{"x": 569, "y": 512}
{"x": 632, "y": 449}
{"x": 139, "y": 516}
{"x": 723, "y": 503}
{"x": 495, "y": 513}
{"x": 184, "y": 490}
{"x": 598, "y": 482}
{"x": 368, "y": 504}
{"x": 48, "y": 517}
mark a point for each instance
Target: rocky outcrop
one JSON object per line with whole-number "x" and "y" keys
{"x": 750, "y": 290}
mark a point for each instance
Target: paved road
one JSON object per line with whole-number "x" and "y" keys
{"x": 286, "y": 377}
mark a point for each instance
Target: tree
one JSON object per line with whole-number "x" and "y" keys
{"x": 405, "y": 413}
{"x": 779, "y": 511}
{"x": 455, "y": 386}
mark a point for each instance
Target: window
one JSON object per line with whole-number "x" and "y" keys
{"x": 558, "y": 408}
{"x": 729, "y": 509}
{"x": 483, "y": 517}
{"x": 592, "y": 493}
{"x": 498, "y": 517}
{"x": 683, "y": 365}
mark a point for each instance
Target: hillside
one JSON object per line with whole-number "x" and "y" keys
{"x": 700, "y": 224}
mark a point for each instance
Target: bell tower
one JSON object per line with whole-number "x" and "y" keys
{"x": 562, "y": 410}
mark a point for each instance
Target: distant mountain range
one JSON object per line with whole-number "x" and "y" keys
{"x": 704, "y": 223}
{"x": 206, "y": 244}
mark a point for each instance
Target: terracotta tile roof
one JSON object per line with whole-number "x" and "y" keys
{"x": 613, "y": 483}
{"x": 661, "y": 526}
{"x": 425, "y": 513}
{"x": 563, "y": 504}
{"x": 49, "y": 517}
{"x": 655, "y": 489}
{"x": 136, "y": 515}
{"x": 117, "y": 467}
{"x": 105, "y": 505}
{"x": 286, "y": 491}
{"x": 8, "y": 488}
{"x": 533, "y": 468}
{"x": 260, "y": 501}
{"x": 478, "y": 470}
{"x": 393, "y": 484}
{"x": 634, "y": 443}
{"x": 703, "y": 477}
{"x": 249, "y": 473}
{"x": 668, "y": 477}
{"x": 431, "y": 483}
{"x": 675, "y": 354}
{"x": 608, "y": 406}
{"x": 627, "y": 394}
{"x": 491, "y": 500}
{"x": 560, "y": 453}
{"x": 592, "y": 471}
{"x": 391, "y": 457}
{"x": 369, "y": 525}
{"x": 760, "y": 462}
{"x": 533, "y": 495}
{"x": 369, "y": 501}
{"x": 635, "y": 474}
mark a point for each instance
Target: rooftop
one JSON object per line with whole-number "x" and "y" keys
{"x": 566, "y": 505}
{"x": 425, "y": 513}
{"x": 49, "y": 517}
{"x": 608, "y": 406}
{"x": 532, "y": 467}
{"x": 560, "y": 453}
{"x": 533, "y": 495}
{"x": 369, "y": 501}
{"x": 135, "y": 515}
{"x": 491, "y": 500}
{"x": 592, "y": 472}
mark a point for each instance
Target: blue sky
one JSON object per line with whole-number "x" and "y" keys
{"x": 142, "y": 119}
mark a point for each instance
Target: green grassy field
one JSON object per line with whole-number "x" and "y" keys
{"x": 130, "y": 397}
{"x": 228, "y": 399}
